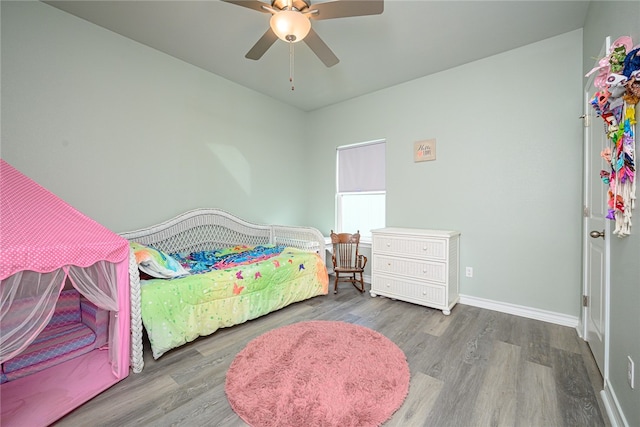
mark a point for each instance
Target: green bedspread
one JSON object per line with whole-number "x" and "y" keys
{"x": 177, "y": 311}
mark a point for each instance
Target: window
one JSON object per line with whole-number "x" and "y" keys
{"x": 360, "y": 193}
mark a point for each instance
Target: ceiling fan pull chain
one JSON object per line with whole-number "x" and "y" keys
{"x": 291, "y": 58}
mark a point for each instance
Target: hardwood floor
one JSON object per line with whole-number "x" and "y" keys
{"x": 475, "y": 367}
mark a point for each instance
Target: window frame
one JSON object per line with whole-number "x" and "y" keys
{"x": 338, "y": 219}
{"x": 365, "y": 238}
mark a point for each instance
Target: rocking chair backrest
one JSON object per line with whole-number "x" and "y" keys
{"x": 345, "y": 250}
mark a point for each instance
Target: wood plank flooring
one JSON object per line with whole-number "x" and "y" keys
{"x": 475, "y": 367}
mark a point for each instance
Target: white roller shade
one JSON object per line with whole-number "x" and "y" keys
{"x": 361, "y": 167}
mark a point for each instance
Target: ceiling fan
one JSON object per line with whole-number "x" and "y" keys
{"x": 290, "y": 21}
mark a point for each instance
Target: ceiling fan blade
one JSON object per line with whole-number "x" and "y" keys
{"x": 251, "y": 4}
{"x": 262, "y": 45}
{"x": 320, "y": 48}
{"x": 346, "y": 8}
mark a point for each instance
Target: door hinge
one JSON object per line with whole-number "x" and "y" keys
{"x": 585, "y": 211}
{"x": 585, "y": 120}
{"x": 585, "y": 300}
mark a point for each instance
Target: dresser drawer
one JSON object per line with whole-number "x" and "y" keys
{"x": 416, "y": 247}
{"x": 406, "y": 290}
{"x": 418, "y": 269}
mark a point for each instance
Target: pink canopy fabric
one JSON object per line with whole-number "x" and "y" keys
{"x": 45, "y": 246}
{"x": 40, "y": 232}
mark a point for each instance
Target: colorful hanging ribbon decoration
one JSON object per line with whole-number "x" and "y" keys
{"x": 619, "y": 83}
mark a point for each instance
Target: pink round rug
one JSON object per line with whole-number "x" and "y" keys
{"x": 318, "y": 373}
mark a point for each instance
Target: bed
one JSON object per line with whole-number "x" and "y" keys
{"x": 207, "y": 269}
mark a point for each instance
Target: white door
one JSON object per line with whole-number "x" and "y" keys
{"x": 596, "y": 232}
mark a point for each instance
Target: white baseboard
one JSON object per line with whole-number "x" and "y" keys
{"x": 519, "y": 310}
{"x": 580, "y": 329}
{"x": 611, "y": 405}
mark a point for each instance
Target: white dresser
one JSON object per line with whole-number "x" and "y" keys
{"x": 416, "y": 265}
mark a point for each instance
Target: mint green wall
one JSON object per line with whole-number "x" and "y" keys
{"x": 615, "y": 19}
{"x": 131, "y": 136}
{"x": 507, "y": 173}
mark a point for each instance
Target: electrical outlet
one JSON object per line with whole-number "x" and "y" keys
{"x": 631, "y": 372}
{"x": 469, "y": 271}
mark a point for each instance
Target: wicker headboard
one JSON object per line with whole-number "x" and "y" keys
{"x": 209, "y": 229}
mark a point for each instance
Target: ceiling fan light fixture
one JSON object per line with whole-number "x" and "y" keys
{"x": 290, "y": 25}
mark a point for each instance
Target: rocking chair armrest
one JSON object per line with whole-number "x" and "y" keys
{"x": 362, "y": 261}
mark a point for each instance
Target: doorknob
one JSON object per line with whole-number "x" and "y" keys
{"x": 596, "y": 234}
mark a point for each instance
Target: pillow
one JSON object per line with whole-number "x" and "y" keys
{"x": 156, "y": 263}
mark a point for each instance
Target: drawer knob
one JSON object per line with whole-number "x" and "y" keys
{"x": 388, "y": 285}
{"x": 388, "y": 244}
{"x": 424, "y": 249}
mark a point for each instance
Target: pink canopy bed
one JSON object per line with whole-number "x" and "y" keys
{"x": 54, "y": 261}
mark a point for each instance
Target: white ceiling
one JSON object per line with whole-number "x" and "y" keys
{"x": 410, "y": 39}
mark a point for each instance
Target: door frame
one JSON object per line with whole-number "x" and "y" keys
{"x": 587, "y": 122}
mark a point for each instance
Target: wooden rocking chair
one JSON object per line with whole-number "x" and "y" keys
{"x": 347, "y": 260}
